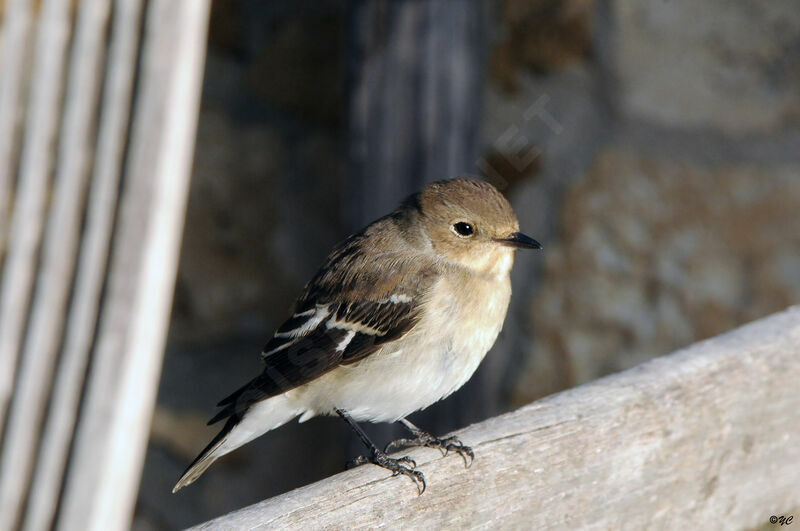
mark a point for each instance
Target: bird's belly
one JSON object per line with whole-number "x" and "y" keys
{"x": 433, "y": 360}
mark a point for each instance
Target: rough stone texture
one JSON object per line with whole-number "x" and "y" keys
{"x": 542, "y": 35}
{"x": 654, "y": 254}
{"x": 717, "y": 63}
{"x": 223, "y": 274}
{"x": 539, "y": 139}
{"x": 252, "y": 232}
{"x": 265, "y": 198}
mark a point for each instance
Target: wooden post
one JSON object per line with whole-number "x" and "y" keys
{"x": 112, "y": 435}
{"x": 707, "y": 436}
{"x": 39, "y": 354}
{"x": 415, "y": 87}
{"x": 92, "y": 263}
{"x": 415, "y": 75}
{"x": 28, "y": 218}
{"x": 87, "y": 286}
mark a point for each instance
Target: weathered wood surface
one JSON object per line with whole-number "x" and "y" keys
{"x": 28, "y": 216}
{"x": 14, "y": 35}
{"x": 94, "y": 179}
{"x": 92, "y": 260}
{"x": 111, "y": 437}
{"x": 708, "y": 436}
{"x": 39, "y": 351}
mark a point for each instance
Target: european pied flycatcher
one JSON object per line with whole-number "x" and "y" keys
{"x": 398, "y": 317}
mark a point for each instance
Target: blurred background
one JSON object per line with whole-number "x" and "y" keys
{"x": 653, "y": 146}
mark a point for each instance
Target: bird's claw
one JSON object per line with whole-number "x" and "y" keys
{"x": 444, "y": 445}
{"x": 400, "y": 466}
{"x": 357, "y": 461}
{"x": 454, "y": 444}
{"x": 402, "y": 443}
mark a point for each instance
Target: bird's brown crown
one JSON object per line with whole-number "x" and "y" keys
{"x": 464, "y": 218}
{"x": 471, "y": 199}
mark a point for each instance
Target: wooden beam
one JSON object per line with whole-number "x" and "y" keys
{"x": 706, "y": 435}
{"x": 30, "y": 202}
{"x": 14, "y": 37}
{"x": 111, "y": 437}
{"x": 39, "y": 350}
{"x": 58, "y": 429}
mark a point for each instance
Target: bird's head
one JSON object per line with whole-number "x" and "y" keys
{"x": 469, "y": 222}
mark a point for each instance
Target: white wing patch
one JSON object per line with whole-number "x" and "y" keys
{"x": 307, "y": 321}
{"x": 315, "y": 317}
{"x": 345, "y": 341}
{"x": 304, "y": 323}
{"x": 353, "y": 327}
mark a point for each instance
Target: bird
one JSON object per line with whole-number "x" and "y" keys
{"x": 398, "y": 317}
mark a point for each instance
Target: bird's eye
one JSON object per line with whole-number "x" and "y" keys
{"x": 463, "y": 229}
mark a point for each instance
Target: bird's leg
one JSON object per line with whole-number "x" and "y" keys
{"x": 423, "y": 438}
{"x": 403, "y": 465}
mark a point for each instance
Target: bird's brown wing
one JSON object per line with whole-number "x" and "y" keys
{"x": 338, "y": 321}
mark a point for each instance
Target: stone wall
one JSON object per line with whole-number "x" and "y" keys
{"x": 653, "y": 146}
{"x": 669, "y": 177}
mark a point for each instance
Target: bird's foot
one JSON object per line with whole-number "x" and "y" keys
{"x": 444, "y": 444}
{"x": 401, "y": 466}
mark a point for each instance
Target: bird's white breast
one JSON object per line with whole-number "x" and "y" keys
{"x": 459, "y": 325}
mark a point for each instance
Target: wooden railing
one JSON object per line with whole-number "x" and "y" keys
{"x": 707, "y": 437}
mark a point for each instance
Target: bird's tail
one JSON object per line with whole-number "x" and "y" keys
{"x": 240, "y": 429}
{"x": 209, "y": 454}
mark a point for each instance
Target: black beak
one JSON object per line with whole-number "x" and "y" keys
{"x": 520, "y": 241}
